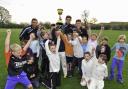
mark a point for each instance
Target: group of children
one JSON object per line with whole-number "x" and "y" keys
{"x": 40, "y": 58}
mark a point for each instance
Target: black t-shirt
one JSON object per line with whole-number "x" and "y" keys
{"x": 82, "y": 32}
{"x": 67, "y": 28}
{"x": 15, "y": 66}
{"x": 103, "y": 49}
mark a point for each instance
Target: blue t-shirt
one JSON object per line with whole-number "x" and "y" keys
{"x": 84, "y": 46}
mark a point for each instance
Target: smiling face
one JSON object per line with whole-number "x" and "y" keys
{"x": 122, "y": 39}
{"x": 87, "y": 56}
{"x": 102, "y": 59}
{"x": 16, "y": 50}
{"x": 93, "y": 37}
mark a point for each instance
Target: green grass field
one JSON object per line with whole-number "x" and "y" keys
{"x": 69, "y": 83}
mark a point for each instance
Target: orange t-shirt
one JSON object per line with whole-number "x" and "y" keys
{"x": 68, "y": 46}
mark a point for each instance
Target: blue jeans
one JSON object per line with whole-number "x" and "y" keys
{"x": 119, "y": 64}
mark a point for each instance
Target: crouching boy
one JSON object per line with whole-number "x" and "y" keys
{"x": 99, "y": 72}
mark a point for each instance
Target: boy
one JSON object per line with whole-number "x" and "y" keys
{"x": 30, "y": 69}
{"x": 54, "y": 62}
{"x": 68, "y": 52}
{"x": 15, "y": 61}
{"x": 99, "y": 72}
{"x": 78, "y": 51}
{"x": 86, "y": 67}
{"x": 84, "y": 44}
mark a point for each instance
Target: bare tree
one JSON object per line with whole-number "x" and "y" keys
{"x": 5, "y": 17}
{"x": 93, "y": 20}
{"x": 85, "y": 16}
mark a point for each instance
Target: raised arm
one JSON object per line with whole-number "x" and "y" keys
{"x": 47, "y": 47}
{"x": 101, "y": 30}
{"x": 89, "y": 31}
{"x": 32, "y": 36}
{"x": 38, "y": 49}
{"x": 7, "y": 41}
{"x": 58, "y": 43}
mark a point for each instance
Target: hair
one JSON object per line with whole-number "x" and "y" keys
{"x": 105, "y": 38}
{"x": 121, "y": 37}
{"x": 43, "y": 32}
{"x": 15, "y": 47}
{"x": 102, "y": 39}
{"x": 51, "y": 44}
{"x": 87, "y": 53}
{"x": 78, "y": 20}
{"x": 68, "y": 16}
{"x": 103, "y": 57}
{"x": 34, "y": 19}
{"x": 94, "y": 34}
{"x": 53, "y": 24}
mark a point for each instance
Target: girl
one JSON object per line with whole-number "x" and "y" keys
{"x": 121, "y": 49}
{"x": 103, "y": 48}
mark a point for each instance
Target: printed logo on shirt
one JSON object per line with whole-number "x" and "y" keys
{"x": 120, "y": 52}
{"x": 20, "y": 64}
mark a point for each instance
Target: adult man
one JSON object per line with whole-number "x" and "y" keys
{"x": 68, "y": 27}
{"x": 24, "y": 35}
{"x": 80, "y": 30}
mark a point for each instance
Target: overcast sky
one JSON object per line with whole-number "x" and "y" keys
{"x": 46, "y": 10}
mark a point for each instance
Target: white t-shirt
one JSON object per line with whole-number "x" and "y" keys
{"x": 91, "y": 44}
{"x": 35, "y": 47}
{"x": 99, "y": 71}
{"x": 87, "y": 67}
{"x": 77, "y": 48}
{"x": 54, "y": 65}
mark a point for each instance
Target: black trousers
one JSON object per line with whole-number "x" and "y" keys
{"x": 77, "y": 62}
{"x": 55, "y": 79}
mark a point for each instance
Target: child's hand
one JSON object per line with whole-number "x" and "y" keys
{"x": 8, "y": 32}
{"x": 30, "y": 61}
